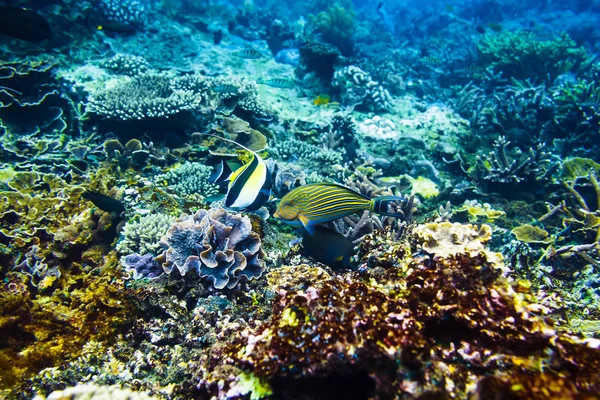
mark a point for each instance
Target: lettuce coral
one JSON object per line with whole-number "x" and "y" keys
{"x": 218, "y": 245}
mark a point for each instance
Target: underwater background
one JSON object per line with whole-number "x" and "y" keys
{"x": 210, "y": 199}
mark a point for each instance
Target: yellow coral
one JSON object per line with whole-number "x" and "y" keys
{"x": 424, "y": 187}
{"x": 531, "y": 234}
{"x": 475, "y": 210}
{"x": 447, "y": 239}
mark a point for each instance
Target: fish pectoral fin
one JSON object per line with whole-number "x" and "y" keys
{"x": 310, "y": 228}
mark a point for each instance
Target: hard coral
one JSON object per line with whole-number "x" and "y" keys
{"x": 358, "y": 88}
{"x": 145, "y": 96}
{"x": 336, "y": 26}
{"x": 218, "y": 245}
{"x": 520, "y": 54}
{"x": 189, "y": 179}
{"x": 142, "y": 236}
{"x": 125, "y": 64}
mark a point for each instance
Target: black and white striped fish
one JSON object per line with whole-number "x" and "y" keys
{"x": 249, "y": 186}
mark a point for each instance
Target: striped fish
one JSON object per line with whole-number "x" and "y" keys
{"x": 249, "y": 54}
{"x": 279, "y": 83}
{"x": 249, "y": 186}
{"x": 226, "y": 88}
{"x": 317, "y": 203}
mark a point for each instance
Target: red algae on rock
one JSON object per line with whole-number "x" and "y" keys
{"x": 435, "y": 326}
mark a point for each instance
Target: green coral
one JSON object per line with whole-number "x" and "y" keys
{"x": 189, "y": 179}
{"x": 576, "y": 107}
{"x": 142, "y": 236}
{"x": 336, "y": 26}
{"x": 519, "y": 54}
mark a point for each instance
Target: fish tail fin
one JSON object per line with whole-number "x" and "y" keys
{"x": 380, "y": 205}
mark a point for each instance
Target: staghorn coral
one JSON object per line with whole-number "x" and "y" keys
{"x": 126, "y": 64}
{"x": 536, "y": 167}
{"x": 142, "y": 236}
{"x": 576, "y": 110}
{"x": 358, "y": 88}
{"x": 144, "y": 96}
{"x": 218, "y": 245}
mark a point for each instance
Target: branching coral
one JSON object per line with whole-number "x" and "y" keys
{"x": 215, "y": 244}
{"x": 577, "y": 106}
{"x": 358, "y": 88}
{"x": 537, "y": 165}
{"x": 142, "y": 236}
{"x": 305, "y": 154}
{"x": 521, "y": 55}
{"x": 126, "y": 64}
{"x": 145, "y": 96}
{"x": 189, "y": 179}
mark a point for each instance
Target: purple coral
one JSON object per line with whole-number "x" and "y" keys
{"x": 142, "y": 266}
{"x": 218, "y": 245}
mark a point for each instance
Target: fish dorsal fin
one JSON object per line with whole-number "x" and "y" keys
{"x": 234, "y": 142}
{"x": 337, "y": 185}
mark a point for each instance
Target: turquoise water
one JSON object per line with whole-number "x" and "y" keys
{"x": 158, "y": 239}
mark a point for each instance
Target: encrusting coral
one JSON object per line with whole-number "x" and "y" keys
{"x": 214, "y": 243}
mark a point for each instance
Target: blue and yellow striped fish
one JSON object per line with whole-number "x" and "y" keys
{"x": 249, "y": 186}
{"x": 317, "y": 203}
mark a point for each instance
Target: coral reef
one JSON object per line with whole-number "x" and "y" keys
{"x": 93, "y": 392}
{"x": 535, "y": 167}
{"x": 142, "y": 235}
{"x": 358, "y": 88}
{"x": 144, "y": 96}
{"x": 336, "y": 25}
{"x": 391, "y": 333}
{"x": 479, "y": 118}
{"x": 189, "y": 179}
{"x": 125, "y": 64}
{"x": 519, "y": 55}
{"x": 130, "y": 12}
{"x": 215, "y": 244}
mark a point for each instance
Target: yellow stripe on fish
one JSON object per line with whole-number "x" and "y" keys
{"x": 317, "y": 203}
{"x": 249, "y": 186}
